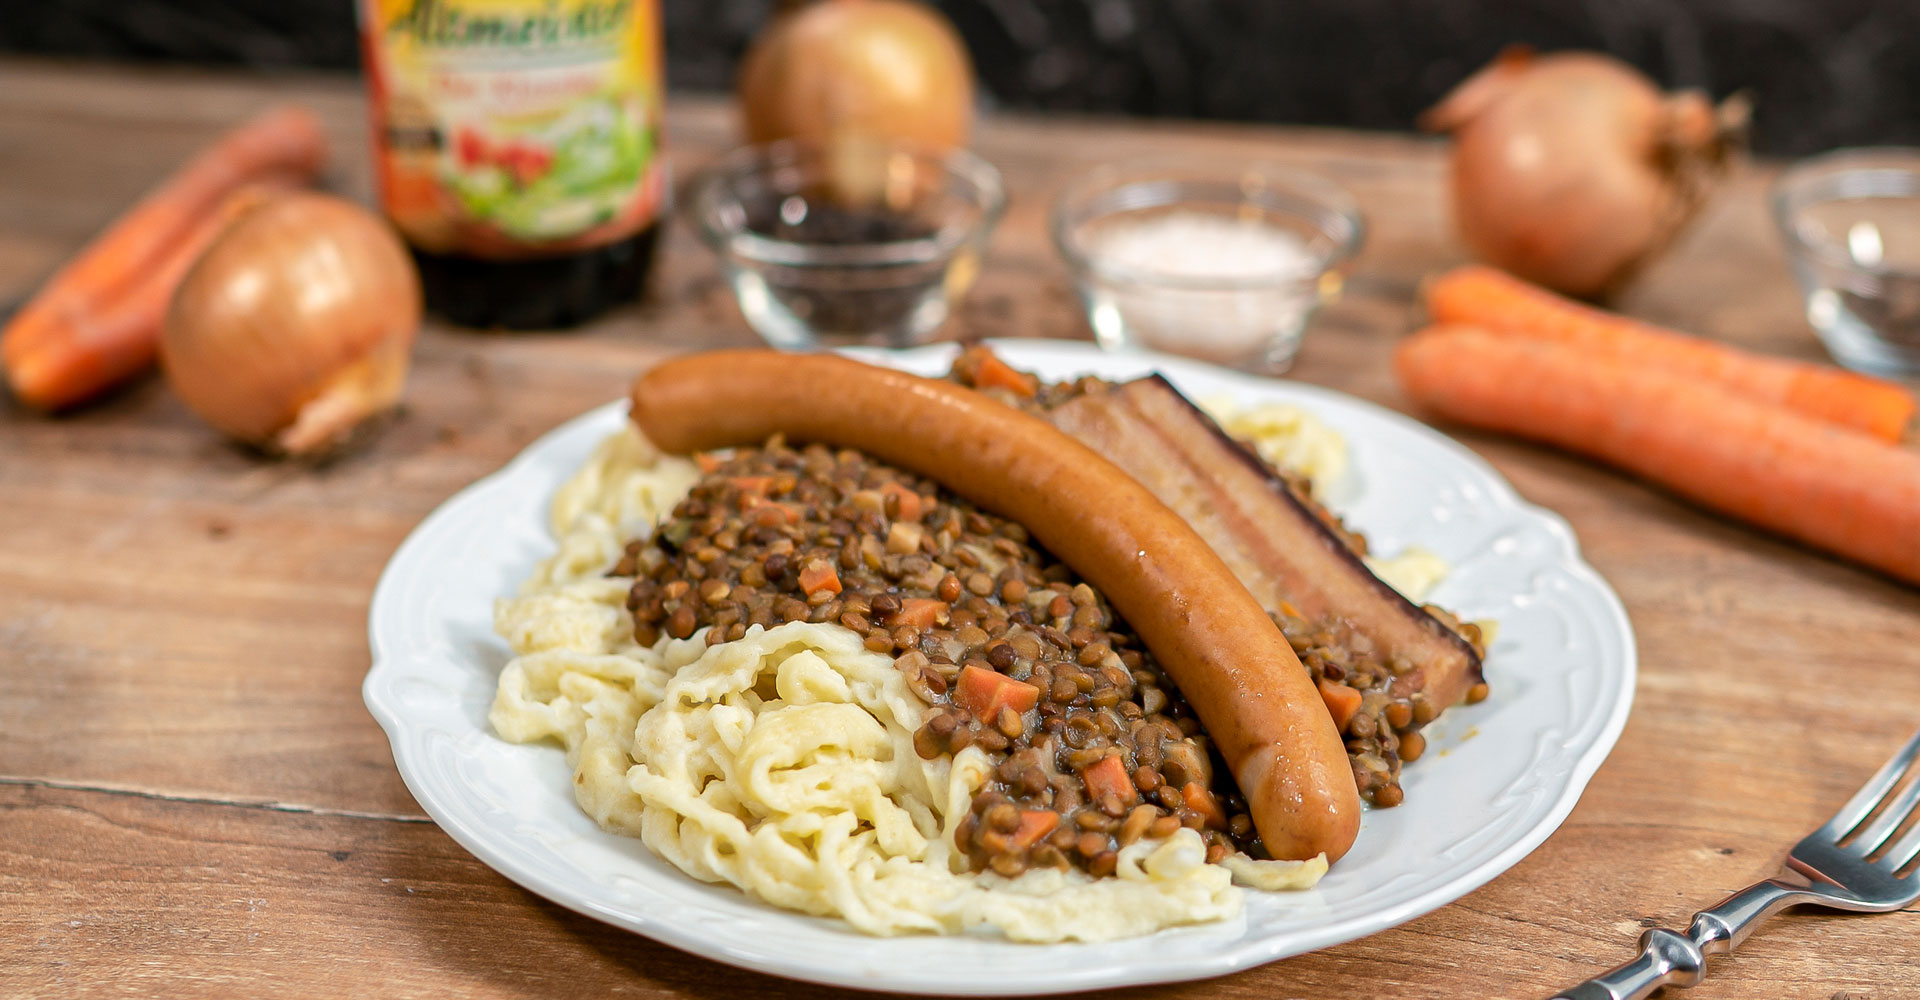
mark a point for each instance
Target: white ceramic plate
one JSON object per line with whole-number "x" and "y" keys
{"x": 1497, "y": 779}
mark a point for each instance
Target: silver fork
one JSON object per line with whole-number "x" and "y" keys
{"x": 1846, "y": 864}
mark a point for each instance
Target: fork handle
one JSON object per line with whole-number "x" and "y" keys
{"x": 1672, "y": 959}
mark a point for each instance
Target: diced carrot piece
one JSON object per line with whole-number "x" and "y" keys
{"x": 819, "y": 575}
{"x": 769, "y": 513}
{"x": 1342, "y": 702}
{"x": 919, "y": 612}
{"x": 708, "y": 461}
{"x": 985, "y": 693}
{"x": 994, "y": 373}
{"x": 1200, "y": 800}
{"x": 1034, "y": 824}
{"x": 1108, "y": 776}
{"x": 751, "y": 486}
{"x": 910, "y": 503}
{"x": 1017, "y": 695}
{"x": 974, "y": 692}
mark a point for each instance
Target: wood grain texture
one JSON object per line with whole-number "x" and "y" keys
{"x": 193, "y": 801}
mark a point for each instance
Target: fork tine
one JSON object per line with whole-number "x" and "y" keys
{"x": 1901, "y": 853}
{"x": 1876, "y": 831}
{"x": 1870, "y": 794}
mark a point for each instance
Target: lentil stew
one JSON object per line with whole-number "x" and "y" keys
{"x": 1091, "y": 746}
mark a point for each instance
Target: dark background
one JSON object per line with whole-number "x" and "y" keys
{"x": 1823, "y": 73}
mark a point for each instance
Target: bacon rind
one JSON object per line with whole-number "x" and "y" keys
{"x": 1272, "y": 539}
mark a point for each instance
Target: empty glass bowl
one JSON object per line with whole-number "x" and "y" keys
{"x": 1220, "y": 261}
{"x": 857, "y": 243}
{"x": 1851, "y": 221}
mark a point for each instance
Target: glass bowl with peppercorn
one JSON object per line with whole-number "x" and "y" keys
{"x": 855, "y": 242}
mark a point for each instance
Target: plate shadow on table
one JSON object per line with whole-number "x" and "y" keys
{"x": 692, "y": 976}
{"x": 552, "y": 944}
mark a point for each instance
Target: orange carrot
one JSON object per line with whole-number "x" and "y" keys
{"x": 769, "y": 513}
{"x": 983, "y": 369}
{"x": 1342, "y": 701}
{"x": 708, "y": 462}
{"x": 751, "y": 489}
{"x": 1034, "y": 824}
{"x": 1108, "y": 776}
{"x": 919, "y": 612}
{"x": 818, "y": 575}
{"x": 105, "y": 345}
{"x": 994, "y": 373}
{"x": 1200, "y": 800}
{"x": 96, "y": 322}
{"x": 1500, "y": 303}
{"x": 1808, "y": 480}
{"x": 909, "y": 500}
{"x": 985, "y": 692}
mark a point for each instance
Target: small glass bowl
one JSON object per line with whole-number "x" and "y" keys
{"x": 863, "y": 242}
{"x": 1204, "y": 294}
{"x": 1851, "y": 222}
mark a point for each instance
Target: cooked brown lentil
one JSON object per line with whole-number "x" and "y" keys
{"x": 1384, "y": 733}
{"x": 1091, "y": 746}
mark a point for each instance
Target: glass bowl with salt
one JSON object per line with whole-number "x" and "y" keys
{"x": 1220, "y": 261}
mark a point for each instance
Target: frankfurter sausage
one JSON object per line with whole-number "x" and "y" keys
{"x": 1209, "y": 634}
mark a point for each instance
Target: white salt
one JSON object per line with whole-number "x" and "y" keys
{"x": 1202, "y": 245}
{"x": 1135, "y": 297}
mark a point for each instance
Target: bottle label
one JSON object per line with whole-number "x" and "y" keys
{"x": 515, "y": 128}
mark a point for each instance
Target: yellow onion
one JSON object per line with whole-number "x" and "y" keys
{"x": 1572, "y": 170}
{"x": 834, "y": 69}
{"x": 295, "y": 326}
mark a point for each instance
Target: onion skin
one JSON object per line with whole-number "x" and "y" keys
{"x": 295, "y": 326}
{"x": 1573, "y": 170}
{"x": 889, "y": 69}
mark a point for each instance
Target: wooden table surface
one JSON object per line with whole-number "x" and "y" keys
{"x": 193, "y": 801}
